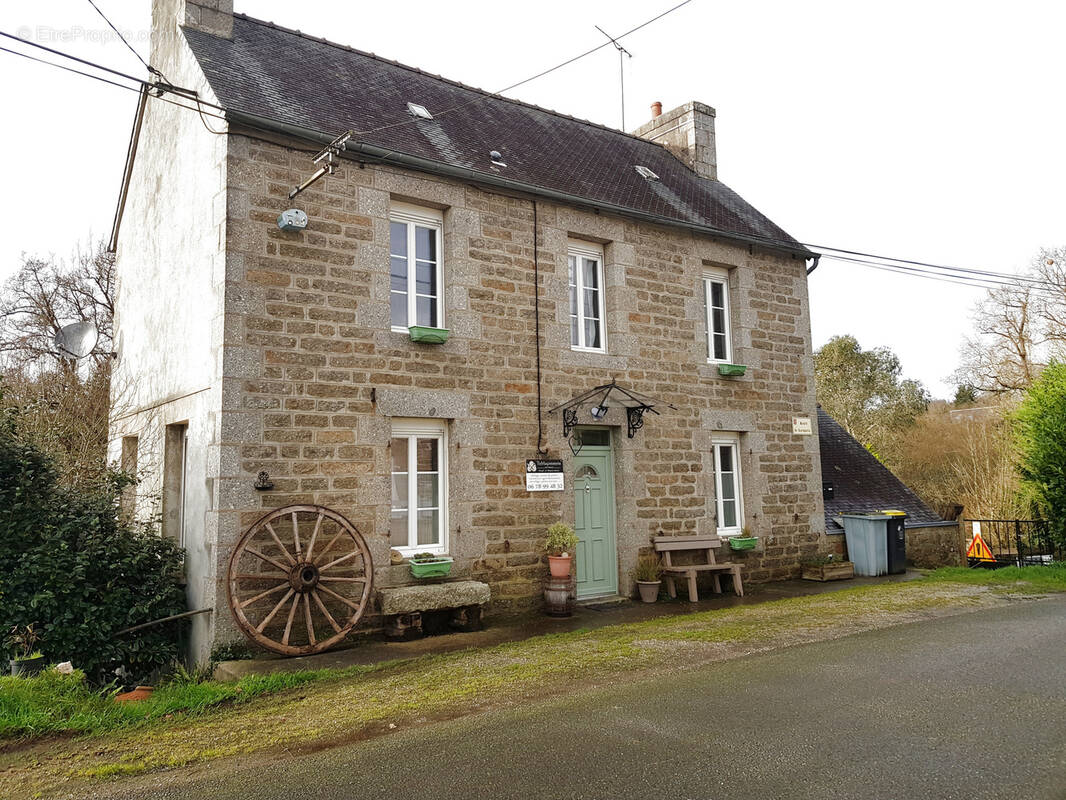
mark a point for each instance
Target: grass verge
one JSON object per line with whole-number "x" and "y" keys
{"x": 187, "y": 723}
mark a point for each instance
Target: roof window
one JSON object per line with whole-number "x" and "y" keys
{"x": 644, "y": 172}
{"x": 419, "y": 111}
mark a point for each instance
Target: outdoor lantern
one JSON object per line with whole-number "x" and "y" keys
{"x": 599, "y": 412}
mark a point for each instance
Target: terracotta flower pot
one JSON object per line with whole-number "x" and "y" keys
{"x": 649, "y": 590}
{"x": 139, "y": 693}
{"x": 559, "y": 566}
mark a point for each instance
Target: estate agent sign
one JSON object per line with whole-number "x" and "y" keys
{"x": 544, "y": 475}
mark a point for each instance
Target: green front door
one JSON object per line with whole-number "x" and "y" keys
{"x": 597, "y": 555}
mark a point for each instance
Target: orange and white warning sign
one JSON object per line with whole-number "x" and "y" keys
{"x": 979, "y": 550}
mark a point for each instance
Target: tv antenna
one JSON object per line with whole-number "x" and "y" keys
{"x": 621, "y": 70}
{"x": 76, "y": 340}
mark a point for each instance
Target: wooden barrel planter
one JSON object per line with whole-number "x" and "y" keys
{"x": 559, "y": 597}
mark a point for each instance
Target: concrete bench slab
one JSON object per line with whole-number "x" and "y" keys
{"x": 433, "y": 597}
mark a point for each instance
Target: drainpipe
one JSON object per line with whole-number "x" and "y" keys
{"x": 814, "y": 264}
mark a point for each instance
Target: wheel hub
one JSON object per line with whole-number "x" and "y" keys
{"x": 304, "y": 576}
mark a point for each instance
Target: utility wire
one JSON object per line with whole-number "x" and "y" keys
{"x": 152, "y": 70}
{"x": 110, "y": 82}
{"x": 964, "y": 276}
{"x": 101, "y": 67}
{"x": 487, "y": 95}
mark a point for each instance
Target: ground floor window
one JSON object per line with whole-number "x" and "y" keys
{"x": 419, "y": 486}
{"x": 728, "y": 499}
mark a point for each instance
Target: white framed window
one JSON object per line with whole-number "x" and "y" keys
{"x": 415, "y": 268}
{"x": 729, "y": 498}
{"x": 419, "y": 520}
{"x": 585, "y": 266}
{"x": 716, "y": 298}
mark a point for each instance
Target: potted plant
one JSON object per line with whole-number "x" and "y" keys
{"x": 745, "y": 541}
{"x": 647, "y": 574}
{"x": 22, "y": 641}
{"x": 560, "y": 544}
{"x": 827, "y": 568}
{"x": 428, "y": 565}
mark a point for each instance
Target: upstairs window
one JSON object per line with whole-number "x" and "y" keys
{"x": 586, "y": 297}
{"x": 415, "y": 292}
{"x": 716, "y": 298}
{"x": 419, "y": 486}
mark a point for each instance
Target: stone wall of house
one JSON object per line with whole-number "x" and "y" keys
{"x": 313, "y": 373}
{"x": 939, "y": 546}
{"x": 169, "y": 312}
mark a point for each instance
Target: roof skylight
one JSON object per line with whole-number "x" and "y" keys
{"x": 419, "y": 111}
{"x": 644, "y": 172}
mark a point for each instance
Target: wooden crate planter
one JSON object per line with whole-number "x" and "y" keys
{"x": 834, "y": 571}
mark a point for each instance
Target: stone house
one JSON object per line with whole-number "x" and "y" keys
{"x": 558, "y": 255}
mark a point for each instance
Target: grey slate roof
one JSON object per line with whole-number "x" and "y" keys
{"x": 290, "y": 78}
{"x": 860, "y": 481}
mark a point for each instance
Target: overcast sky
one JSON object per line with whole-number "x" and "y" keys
{"x": 923, "y": 130}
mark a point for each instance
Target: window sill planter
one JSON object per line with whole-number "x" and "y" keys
{"x": 743, "y": 542}
{"x": 435, "y": 567}
{"x": 837, "y": 571}
{"x": 426, "y": 335}
{"x": 732, "y": 370}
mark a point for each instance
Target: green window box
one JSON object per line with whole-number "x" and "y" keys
{"x": 438, "y": 567}
{"x": 428, "y": 335}
{"x": 732, "y": 370}
{"x": 743, "y": 542}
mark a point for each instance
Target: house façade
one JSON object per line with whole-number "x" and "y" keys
{"x": 471, "y": 269}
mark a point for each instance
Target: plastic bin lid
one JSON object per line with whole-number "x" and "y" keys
{"x": 894, "y": 513}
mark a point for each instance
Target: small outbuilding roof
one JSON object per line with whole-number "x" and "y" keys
{"x": 862, "y": 483}
{"x": 287, "y": 78}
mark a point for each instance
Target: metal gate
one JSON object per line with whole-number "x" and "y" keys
{"x": 1017, "y": 542}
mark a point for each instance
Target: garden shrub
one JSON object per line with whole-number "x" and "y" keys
{"x": 1041, "y": 434}
{"x": 78, "y": 572}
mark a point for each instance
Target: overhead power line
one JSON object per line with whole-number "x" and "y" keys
{"x": 964, "y": 276}
{"x": 152, "y": 70}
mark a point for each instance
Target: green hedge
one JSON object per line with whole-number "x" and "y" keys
{"x": 77, "y": 572}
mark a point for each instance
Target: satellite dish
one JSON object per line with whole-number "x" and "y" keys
{"x": 76, "y": 340}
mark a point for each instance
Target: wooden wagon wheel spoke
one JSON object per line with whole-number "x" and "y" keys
{"x": 261, "y": 595}
{"x": 270, "y": 616}
{"x": 267, "y": 559}
{"x": 314, "y": 536}
{"x": 307, "y": 619}
{"x": 297, "y": 573}
{"x": 288, "y": 622}
{"x": 296, "y": 534}
{"x": 281, "y": 547}
{"x": 329, "y": 546}
{"x": 336, "y": 561}
{"x": 261, "y": 576}
{"x": 344, "y": 600}
{"x": 325, "y": 611}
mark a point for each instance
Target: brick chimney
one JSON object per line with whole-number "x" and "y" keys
{"x": 688, "y": 133}
{"x": 210, "y": 16}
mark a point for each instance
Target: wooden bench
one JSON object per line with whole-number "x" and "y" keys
{"x": 705, "y": 544}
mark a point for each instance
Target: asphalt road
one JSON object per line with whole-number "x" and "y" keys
{"x": 971, "y": 706}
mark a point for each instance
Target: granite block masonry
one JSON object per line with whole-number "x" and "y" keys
{"x": 276, "y": 351}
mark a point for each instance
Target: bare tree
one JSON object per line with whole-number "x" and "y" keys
{"x": 42, "y": 297}
{"x": 61, "y": 406}
{"x": 1001, "y": 356}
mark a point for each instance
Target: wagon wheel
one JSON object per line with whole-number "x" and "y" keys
{"x": 299, "y": 580}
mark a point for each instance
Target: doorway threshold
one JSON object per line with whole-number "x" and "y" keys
{"x": 602, "y": 602}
